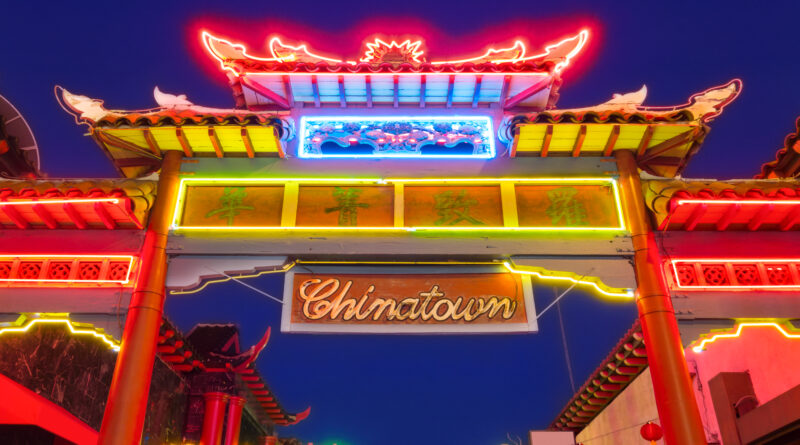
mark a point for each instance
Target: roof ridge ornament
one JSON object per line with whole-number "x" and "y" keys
{"x": 233, "y": 57}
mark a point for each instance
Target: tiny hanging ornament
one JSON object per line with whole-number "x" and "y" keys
{"x": 652, "y": 432}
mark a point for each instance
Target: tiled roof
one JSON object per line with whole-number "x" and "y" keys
{"x": 372, "y": 68}
{"x": 112, "y": 204}
{"x": 787, "y": 159}
{"x": 172, "y": 117}
{"x": 718, "y": 205}
{"x": 626, "y": 361}
{"x": 663, "y": 138}
{"x": 184, "y": 356}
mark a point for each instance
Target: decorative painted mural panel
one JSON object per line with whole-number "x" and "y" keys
{"x": 393, "y": 137}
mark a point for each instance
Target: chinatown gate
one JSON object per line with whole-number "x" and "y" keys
{"x": 398, "y": 193}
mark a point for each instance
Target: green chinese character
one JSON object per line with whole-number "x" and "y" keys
{"x": 348, "y": 205}
{"x": 565, "y": 209}
{"x": 453, "y": 209}
{"x": 230, "y": 204}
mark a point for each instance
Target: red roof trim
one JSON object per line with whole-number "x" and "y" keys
{"x": 728, "y": 210}
{"x": 587, "y": 403}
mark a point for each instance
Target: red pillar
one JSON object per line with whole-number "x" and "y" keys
{"x": 234, "y": 421}
{"x": 123, "y": 418}
{"x": 672, "y": 386}
{"x": 213, "y": 418}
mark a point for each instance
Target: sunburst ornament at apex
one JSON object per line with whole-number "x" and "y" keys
{"x": 27, "y": 320}
{"x": 393, "y": 52}
{"x": 781, "y": 325}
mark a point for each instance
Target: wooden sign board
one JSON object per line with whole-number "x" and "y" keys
{"x": 407, "y": 299}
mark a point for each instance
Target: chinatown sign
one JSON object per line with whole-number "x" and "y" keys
{"x": 407, "y": 300}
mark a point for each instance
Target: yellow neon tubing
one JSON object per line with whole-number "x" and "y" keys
{"x": 226, "y": 279}
{"x": 178, "y": 214}
{"x": 570, "y": 277}
{"x": 541, "y": 273}
{"x": 24, "y": 323}
{"x": 780, "y": 326}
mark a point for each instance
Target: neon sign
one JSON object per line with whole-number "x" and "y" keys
{"x": 380, "y": 51}
{"x": 70, "y": 270}
{"x": 567, "y": 48}
{"x": 26, "y": 321}
{"x": 594, "y": 284}
{"x": 711, "y": 274}
{"x": 784, "y": 327}
{"x": 396, "y": 137}
{"x": 445, "y": 299}
{"x": 399, "y": 205}
{"x": 393, "y": 52}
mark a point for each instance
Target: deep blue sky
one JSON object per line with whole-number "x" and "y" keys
{"x": 399, "y": 390}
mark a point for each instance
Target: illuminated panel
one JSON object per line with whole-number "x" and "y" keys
{"x": 396, "y": 137}
{"x": 26, "y": 321}
{"x": 736, "y": 274}
{"x": 784, "y": 327}
{"x": 552, "y": 277}
{"x": 399, "y": 205}
{"x": 65, "y": 270}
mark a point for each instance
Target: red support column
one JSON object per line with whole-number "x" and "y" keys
{"x": 672, "y": 386}
{"x": 123, "y": 419}
{"x": 213, "y": 418}
{"x": 234, "y": 421}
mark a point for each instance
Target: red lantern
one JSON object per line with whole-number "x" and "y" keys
{"x": 651, "y": 431}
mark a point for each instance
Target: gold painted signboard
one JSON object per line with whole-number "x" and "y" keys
{"x": 407, "y": 300}
{"x": 533, "y": 204}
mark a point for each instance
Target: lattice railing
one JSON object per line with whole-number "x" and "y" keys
{"x": 66, "y": 270}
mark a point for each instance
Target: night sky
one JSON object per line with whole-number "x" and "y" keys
{"x": 411, "y": 389}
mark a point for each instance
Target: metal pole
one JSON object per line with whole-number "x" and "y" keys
{"x": 677, "y": 408}
{"x": 123, "y": 419}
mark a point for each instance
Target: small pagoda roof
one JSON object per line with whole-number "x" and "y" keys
{"x": 395, "y": 74}
{"x": 664, "y": 138}
{"x": 748, "y": 205}
{"x": 75, "y": 204}
{"x": 625, "y": 362}
{"x": 135, "y": 140}
{"x": 215, "y": 348}
{"x": 787, "y": 159}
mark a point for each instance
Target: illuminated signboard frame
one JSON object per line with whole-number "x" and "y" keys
{"x": 406, "y": 140}
{"x": 292, "y": 185}
{"x": 407, "y": 270}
